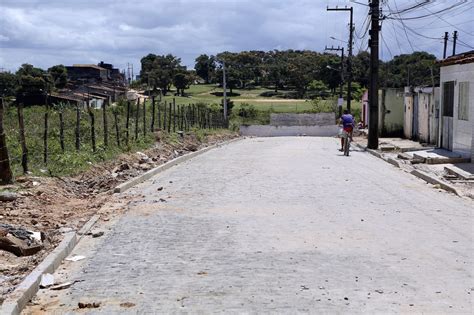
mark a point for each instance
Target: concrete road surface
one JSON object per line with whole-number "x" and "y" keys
{"x": 278, "y": 225}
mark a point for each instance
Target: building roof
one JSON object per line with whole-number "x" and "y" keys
{"x": 463, "y": 58}
{"x": 88, "y": 66}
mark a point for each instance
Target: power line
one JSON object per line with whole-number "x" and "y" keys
{"x": 442, "y": 19}
{"x": 404, "y": 27}
{"x": 423, "y": 16}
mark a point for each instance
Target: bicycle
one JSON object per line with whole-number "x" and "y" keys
{"x": 347, "y": 142}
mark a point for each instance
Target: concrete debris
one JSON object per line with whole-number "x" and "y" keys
{"x": 76, "y": 258}
{"x": 47, "y": 280}
{"x": 20, "y": 241}
{"x": 63, "y": 285}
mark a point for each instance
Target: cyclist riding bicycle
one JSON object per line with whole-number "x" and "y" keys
{"x": 347, "y": 121}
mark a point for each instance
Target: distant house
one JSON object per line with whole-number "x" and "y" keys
{"x": 457, "y": 104}
{"x": 87, "y": 72}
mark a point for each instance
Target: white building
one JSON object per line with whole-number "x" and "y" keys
{"x": 457, "y": 104}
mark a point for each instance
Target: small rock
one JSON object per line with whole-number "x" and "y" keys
{"x": 34, "y": 222}
{"x": 97, "y": 234}
{"x": 379, "y": 291}
{"x": 88, "y": 305}
{"x": 160, "y": 189}
{"x": 8, "y": 196}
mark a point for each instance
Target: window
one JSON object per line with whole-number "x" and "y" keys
{"x": 448, "y": 98}
{"x": 463, "y": 107}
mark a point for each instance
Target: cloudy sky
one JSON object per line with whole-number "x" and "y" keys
{"x": 49, "y": 32}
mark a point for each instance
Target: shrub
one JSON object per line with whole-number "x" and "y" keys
{"x": 247, "y": 111}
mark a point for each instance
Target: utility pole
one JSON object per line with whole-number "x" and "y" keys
{"x": 224, "y": 86}
{"x": 373, "y": 139}
{"x": 349, "y": 58}
{"x": 455, "y": 38}
{"x": 446, "y": 36}
{"x": 341, "y": 49}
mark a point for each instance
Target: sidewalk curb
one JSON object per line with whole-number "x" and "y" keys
{"x": 420, "y": 174}
{"x": 435, "y": 181}
{"x": 149, "y": 174}
{"x": 27, "y": 289}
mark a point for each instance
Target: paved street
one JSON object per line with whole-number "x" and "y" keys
{"x": 279, "y": 225}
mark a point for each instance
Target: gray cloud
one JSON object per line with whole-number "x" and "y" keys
{"x": 49, "y": 32}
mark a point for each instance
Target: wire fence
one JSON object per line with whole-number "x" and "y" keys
{"x": 60, "y": 138}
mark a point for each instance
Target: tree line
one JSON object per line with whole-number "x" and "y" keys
{"x": 306, "y": 73}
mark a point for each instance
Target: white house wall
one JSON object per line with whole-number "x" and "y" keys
{"x": 462, "y": 129}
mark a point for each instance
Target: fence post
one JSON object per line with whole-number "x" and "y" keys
{"x": 152, "y": 113}
{"x": 92, "y": 118}
{"x": 159, "y": 115}
{"x": 174, "y": 115}
{"x": 144, "y": 118}
{"x": 45, "y": 135}
{"x": 24, "y": 149}
{"x": 117, "y": 131}
{"x": 78, "y": 127}
{"x": 169, "y": 116}
{"x": 164, "y": 116}
{"x": 127, "y": 124}
{"x": 6, "y": 176}
{"x": 137, "y": 116}
{"x": 106, "y": 126}
{"x": 61, "y": 129}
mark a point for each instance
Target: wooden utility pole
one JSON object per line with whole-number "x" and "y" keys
{"x": 373, "y": 139}
{"x": 349, "y": 57}
{"x": 6, "y": 175}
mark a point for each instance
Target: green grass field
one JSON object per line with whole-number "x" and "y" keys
{"x": 202, "y": 94}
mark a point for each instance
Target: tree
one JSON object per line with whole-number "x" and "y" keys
{"x": 31, "y": 81}
{"x": 181, "y": 81}
{"x": 360, "y": 68}
{"x": 159, "y": 71}
{"x": 8, "y": 84}
{"x": 205, "y": 67}
{"x": 414, "y": 69}
{"x": 58, "y": 74}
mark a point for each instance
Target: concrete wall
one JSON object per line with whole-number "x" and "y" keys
{"x": 408, "y": 115}
{"x": 321, "y": 119}
{"x": 391, "y": 112}
{"x": 281, "y": 131}
{"x": 462, "y": 129}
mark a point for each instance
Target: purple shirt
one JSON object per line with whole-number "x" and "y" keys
{"x": 347, "y": 120}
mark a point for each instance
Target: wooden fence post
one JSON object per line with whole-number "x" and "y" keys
{"x": 6, "y": 175}
{"x": 61, "y": 129}
{"x": 144, "y": 118}
{"x": 164, "y": 116}
{"x": 24, "y": 149}
{"x": 137, "y": 116}
{"x": 169, "y": 116}
{"x": 127, "y": 124}
{"x": 45, "y": 135}
{"x": 106, "y": 126}
{"x": 78, "y": 127}
{"x": 92, "y": 121}
{"x": 152, "y": 113}
{"x": 117, "y": 131}
{"x": 174, "y": 115}
{"x": 159, "y": 115}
